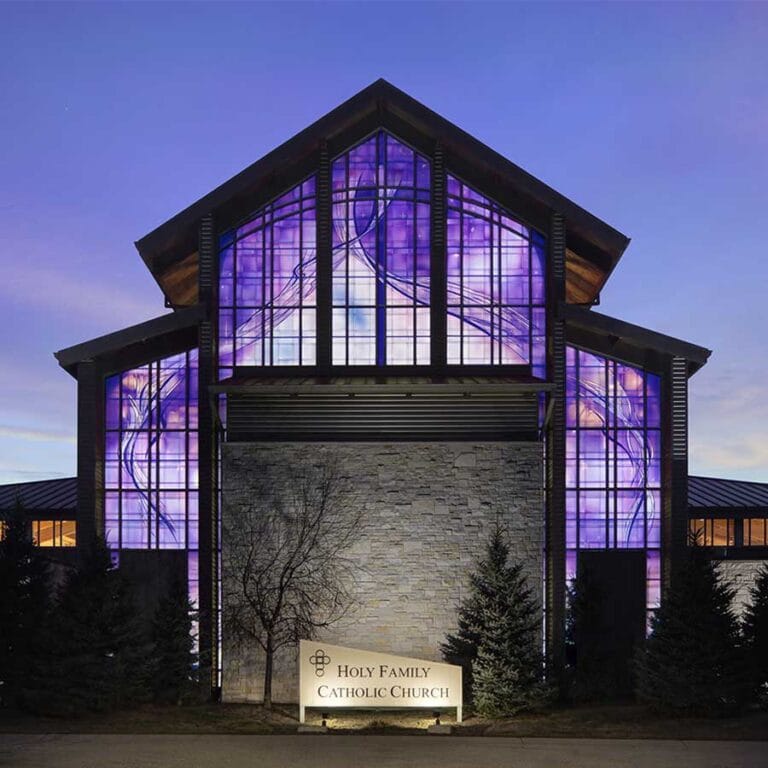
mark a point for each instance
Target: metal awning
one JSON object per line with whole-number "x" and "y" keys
{"x": 715, "y": 494}
{"x": 382, "y": 408}
{"x": 58, "y": 496}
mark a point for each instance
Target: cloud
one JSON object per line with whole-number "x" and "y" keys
{"x": 83, "y": 297}
{"x": 36, "y": 435}
{"x": 729, "y": 420}
{"x": 744, "y": 453}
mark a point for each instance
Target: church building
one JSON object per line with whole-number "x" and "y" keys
{"x": 386, "y": 293}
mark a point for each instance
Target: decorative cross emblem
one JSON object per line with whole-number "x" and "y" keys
{"x": 319, "y": 660}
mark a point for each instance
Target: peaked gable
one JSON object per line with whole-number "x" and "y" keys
{"x": 593, "y": 247}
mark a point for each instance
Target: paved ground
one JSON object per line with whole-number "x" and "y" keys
{"x": 103, "y": 751}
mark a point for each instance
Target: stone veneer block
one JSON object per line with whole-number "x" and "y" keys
{"x": 429, "y": 509}
{"x": 741, "y": 575}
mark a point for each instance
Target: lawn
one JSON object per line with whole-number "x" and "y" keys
{"x": 617, "y": 721}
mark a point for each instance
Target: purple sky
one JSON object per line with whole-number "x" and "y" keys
{"x": 115, "y": 117}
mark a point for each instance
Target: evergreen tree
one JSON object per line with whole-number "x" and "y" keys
{"x": 174, "y": 659}
{"x": 498, "y": 642}
{"x": 97, "y": 656}
{"x": 24, "y": 604}
{"x": 755, "y": 631}
{"x": 693, "y": 662}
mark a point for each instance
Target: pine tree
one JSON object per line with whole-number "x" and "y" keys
{"x": 174, "y": 660}
{"x": 498, "y": 641}
{"x": 693, "y": 662}
{"x": 98, "y": 654}
{"x": 755, "y": 632}
{"x": 24, "y": 604}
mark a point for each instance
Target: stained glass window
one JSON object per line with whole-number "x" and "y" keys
{"x": 495, "y": 284}
{"x": 381, "y": 253}
{"x": 267, "y": 281}
{"x": 613, "y": 460}
{"x": 150, "y": 463}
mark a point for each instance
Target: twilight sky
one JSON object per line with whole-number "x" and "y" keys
{"x": 115, "y": 117}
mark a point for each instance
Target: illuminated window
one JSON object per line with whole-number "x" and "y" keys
{"x": 3, "y": 526}
{"x": 381, "y": 254}
{"x": 712, "y": 532}
{"x": 151, "y": 464}
{"x": 495, "y": 284}
{"x": 54, "y": 533}
{"x": 613, "y": 460}
{"x": 267, "y": 275}
{"x": 756, "y": 532}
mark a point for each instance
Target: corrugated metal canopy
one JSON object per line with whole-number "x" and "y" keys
{"x": 714, "y": 493}
{"x": 42, "y": 496}
{"x": 382, "y": 408}
{"x": 381, "y": 384}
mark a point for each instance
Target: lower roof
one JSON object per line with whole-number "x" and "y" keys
{"x": 171, "y": 326}
{"x": 58, "y": 495}
{"x": 719, "y": 494}
{"x": 609, "y": 335}
{"x": 713, "y": 494}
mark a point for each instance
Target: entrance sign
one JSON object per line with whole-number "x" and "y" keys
{"x": 331, "y": 676}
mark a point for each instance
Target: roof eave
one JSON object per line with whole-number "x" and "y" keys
{"x": 611, "y": 327}
{"x": 70, "y": 357}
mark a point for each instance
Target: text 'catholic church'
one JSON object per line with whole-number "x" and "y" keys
{"x": 386, "y": 293}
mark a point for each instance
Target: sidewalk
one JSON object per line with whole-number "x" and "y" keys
{"x": 123, "y": 751}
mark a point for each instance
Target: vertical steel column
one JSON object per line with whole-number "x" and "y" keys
{"x": 555, "y": 470}
{"x": 437, "y": 266}
{"x": 90, "y": 452}
{"x": 323, "y": 263}
{"x": 675, "y": 434}
{"x": 208, "y": 538}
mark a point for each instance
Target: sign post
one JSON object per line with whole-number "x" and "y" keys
{"x": 333, "y": 677}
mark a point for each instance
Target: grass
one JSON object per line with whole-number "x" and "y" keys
{"x": 615, "y": 721}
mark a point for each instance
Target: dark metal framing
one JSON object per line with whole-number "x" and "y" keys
{"x": 445, "y": 146}
{"x": 555, "y": 445}
{"x": 207, "y": 446}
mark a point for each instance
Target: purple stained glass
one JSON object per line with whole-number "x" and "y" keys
{"x": 495, "y": 284}
{"x": 381, "y": 254}
{"x": 613, "y": 457}
{"x": 150, "y": 462}
{"x": 267, "y": 282}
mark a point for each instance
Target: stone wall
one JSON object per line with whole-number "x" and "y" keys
{"x": 740, "y": 574}
{"x": 429, "y": 508}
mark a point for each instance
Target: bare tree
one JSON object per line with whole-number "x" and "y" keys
{"x": 286, "y": 571}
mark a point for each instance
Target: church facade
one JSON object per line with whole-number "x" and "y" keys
{"x": 388, "y": 294}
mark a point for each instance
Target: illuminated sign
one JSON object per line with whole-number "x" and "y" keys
{"x": 331, "y": 676}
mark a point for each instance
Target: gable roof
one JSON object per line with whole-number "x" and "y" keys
{"x": 618, "y": 338}
{"x": 161, "y": 335}
{"x": 593, "y": 247}
{"x": 58, "y": 495}
{"x": 719, "y": 494}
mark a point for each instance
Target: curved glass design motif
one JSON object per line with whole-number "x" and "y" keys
{"x": 267, "y": 277}
{"x": 495, "y": 284}
{"x": 150, "y": 462}
{"x": 381, "y": 253}
{"x": 613, "y": 460}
